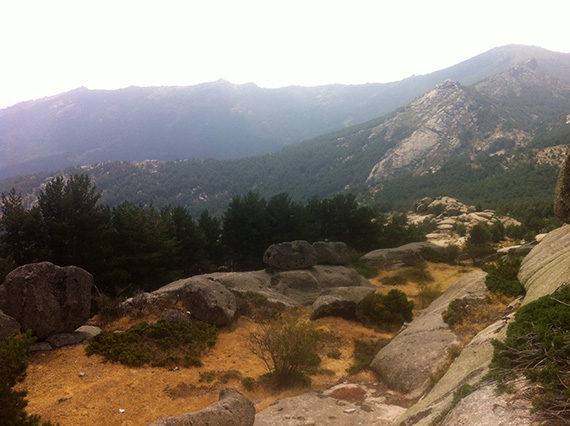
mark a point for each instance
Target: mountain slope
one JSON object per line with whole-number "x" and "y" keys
{"x": 215, "y": 120}
{"x": 461, "y": 140}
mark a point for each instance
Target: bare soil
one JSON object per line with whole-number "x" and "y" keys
{"x": 68, "y": 387}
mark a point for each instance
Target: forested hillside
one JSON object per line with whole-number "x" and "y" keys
{"x": 216, "y": 120}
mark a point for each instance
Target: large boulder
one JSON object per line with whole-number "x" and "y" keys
{"x": 232, "y": 409}
{"x": 331, "y": 253}
{"x": 8, "y": 325}
{"x": 209, "y": 301}
{"x": 340, "y": 302}
{"x": 46, "y": 298}
{"x": 290, "y": 255}
{"x": 391, "y": 258}
{"x": 562, "y": 192}
{"x": 547, "y": 267}
{"x": 407, "y": 363}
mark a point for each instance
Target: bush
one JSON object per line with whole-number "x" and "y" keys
{"x": 288, "y": 347}
{"x": 538, "y": 347}
{"x": 162, "y": 344}
{"x": 256, "y": 306}
{"x": 14, "y": 352}
{"x": 385, "y": 311}
{"x": 364, "y": 353}
{"x": 502, "y": 278}
{"x": 456, "y": 311}
{"x": 248, "y": 383}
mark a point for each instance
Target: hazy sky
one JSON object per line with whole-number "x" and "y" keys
{"x": 48, "y": 47}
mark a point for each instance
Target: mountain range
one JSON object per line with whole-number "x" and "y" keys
{"x": 498, "y": 116}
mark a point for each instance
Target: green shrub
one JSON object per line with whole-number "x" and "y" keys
{"x": 248, "y": 383}
{"x": 416, "y": 274}
{"x": 432, "y": 255}
{"x": 256, "y": 306}
{"x": 385, "y": 311}
{"x": 162, "y": 344}
{"x": 207, "y": 376}
{"x": 364, "y": 353}
{"x": 288, "y": 347}
{"x": 502, "y": 277}
{"x": 537, "y": 346}
{"x": 456, "y": 312}
{"x": 14, "y": 352}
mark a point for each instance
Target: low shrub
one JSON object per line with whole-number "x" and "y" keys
{"x": 456, "y": 312}
{"x": 165, "y": 343}
{"x": 207, "y": 376}
{"x": 427, "y": 295}
{"x": 364, "y": 353}
{"x": 537, "y": 346}
{"x": 502, "y": 277}
{"x": 416, "y": 274}
{"x": 288, "y": 347}
{"x": 256, "y": 306}
{"x": 14, "y": 352}
{"x": 248, "y": 383}
{"x": 385, "y": 311}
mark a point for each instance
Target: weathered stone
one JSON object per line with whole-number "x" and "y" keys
{"x": 331, "y": 408}
{"x": 8, "y": 325}
{"x": 89, "y": 331}
{"x": 419, "y": 350}
{"x": 334, "y": 306}
{"x": 484, "y": 407}
{"x": 173, "y": 315}
{"x": 290, "y": 255}
{"x": 406, "y": 255}
{"x": 209, "y": 301}
{"x": 41, "y": 346}
{"x": 46, "y": 298}
{"x": 421, "y": 206}
{"x": 59, "y": 340}
{"x": 331, "y": 253}
{"x": 562, "y": 192}
{"x": 547, "y": 267}
{"x": 232, "y": 409}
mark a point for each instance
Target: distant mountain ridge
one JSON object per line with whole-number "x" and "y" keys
{"x": 471, "y": 142}
{"x": 216, "y": 120}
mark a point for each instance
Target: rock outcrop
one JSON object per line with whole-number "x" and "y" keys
{"x": 562, "y": 192}
{"x": 343, "y": 405}
{"x": 209, "y": 301}
{"x": 290, "y": 255}
{"x": 8, "y": 325}
{"x": 232, "y": 409}
{"x": 392, "y": 258}
{"x": 544, "y": 270}
{"x": 421, "y": 349}
{"x": 340, "y": 302}
{"x": 292, "y": 288}
{"x": 46, "y": 298}
{"x": 331, "y": 253}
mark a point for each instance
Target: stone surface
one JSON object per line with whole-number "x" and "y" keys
{"x": 172, "y": 315}
{"x": 209, "y": 301}
{"x": 325, "y": 409}
{"x": 406, "y": 255}
{"x": 59, "y": 340}
{"x": 8, "y": 325}
{"x": 562, "y": 192}
{"x": 334, "y": 306}
{"x": 232, "y": 409}
{"x": 290, "y": 255}
{"x": 484, "y": 407}
{"x": 331, "y": 253}
{"x": 420, "y": 349}
{"x": 46, "y": 298}
{"x": 547, "y": 267}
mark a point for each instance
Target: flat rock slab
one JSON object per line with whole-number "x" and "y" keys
{"x": 419, "y": 350}
{"x": 318, "y": 409}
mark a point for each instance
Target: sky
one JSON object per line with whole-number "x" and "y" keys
{"x": 49, "y": 47}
